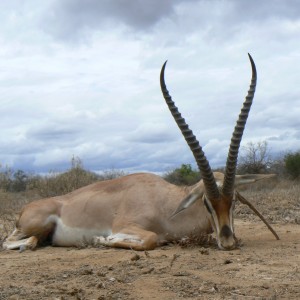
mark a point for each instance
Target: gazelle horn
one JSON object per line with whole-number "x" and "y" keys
{"x": 203, "y": 164}
{"x": 228, "y": 184}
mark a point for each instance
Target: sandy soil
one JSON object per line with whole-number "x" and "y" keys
{"x": 263, "y": 268}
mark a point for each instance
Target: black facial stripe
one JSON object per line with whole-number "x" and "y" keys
{"x": 207, "y": 206}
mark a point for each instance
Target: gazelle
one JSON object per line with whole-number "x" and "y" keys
{"x": 139, "y": 211}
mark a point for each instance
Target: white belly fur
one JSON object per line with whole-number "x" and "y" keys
{"x": 74, "y": 236}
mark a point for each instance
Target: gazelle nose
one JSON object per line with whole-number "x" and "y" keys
{"x": 229, "y": 244}
{"x": 226, "y": 238}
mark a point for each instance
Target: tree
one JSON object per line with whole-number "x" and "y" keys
{"x": 292, "y": 164}
{"x": 255, "y": 158}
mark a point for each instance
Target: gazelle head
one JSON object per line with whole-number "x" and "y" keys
{"x": 218, "y": 194}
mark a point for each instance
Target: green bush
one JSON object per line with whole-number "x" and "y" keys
{"x": 184, "y": 175}
{"x": 292, "y": 164}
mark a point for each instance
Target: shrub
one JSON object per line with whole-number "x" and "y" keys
{"x": 111, "y": 174}
{"x": 184, "y": 175}
{"x": 63, "y": 183}
{"x": 53, "y": 184}
{"x": 5, "y": 178}
{"x": 19, "y": 182}
{"x": 292, "y": 164}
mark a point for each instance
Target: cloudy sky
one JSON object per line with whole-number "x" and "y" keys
{"x": 81, "y": 78}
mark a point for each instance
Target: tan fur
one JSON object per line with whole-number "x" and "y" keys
{"x": 138, "y": 204}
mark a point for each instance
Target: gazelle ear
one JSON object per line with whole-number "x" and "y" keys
{"x": 189, "y": 200}
{"x": 251, "y": 178}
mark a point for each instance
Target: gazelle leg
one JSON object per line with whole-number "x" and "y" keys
{"x": 29, "y": 243}
{"x": 129, "y": 238}
{"x": 16, "y": 235}
{"x": 16, "y": 241}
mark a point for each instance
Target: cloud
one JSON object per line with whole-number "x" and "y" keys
{"x": 70, "y": 18}
{"x": 150, "y": 133}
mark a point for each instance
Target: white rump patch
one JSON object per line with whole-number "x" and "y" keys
{"x": 74, "y": 236}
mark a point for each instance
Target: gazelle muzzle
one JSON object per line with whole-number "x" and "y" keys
{"x": 221, "y": 218}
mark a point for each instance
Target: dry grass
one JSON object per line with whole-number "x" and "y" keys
{"x": 60, "y": 184}
{"x": 277, "y": 200}
{"x": 194, "y": 240}
{"x": 10, "y": 205}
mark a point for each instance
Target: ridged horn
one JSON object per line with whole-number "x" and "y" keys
{"x": 203, "y": 164}
{"x": 228, "y": 184}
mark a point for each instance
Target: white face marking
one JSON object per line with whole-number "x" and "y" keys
{"x": 213, "y": 216}
{"x": 190, "y": 201}
{"x": 231, "y": 214}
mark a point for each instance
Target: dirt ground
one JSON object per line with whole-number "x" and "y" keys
{"x": 263, "y": 268}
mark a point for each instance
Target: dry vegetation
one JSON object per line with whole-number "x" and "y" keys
{"x": 278, "y": 200}
{"x": 10, "y": 205}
